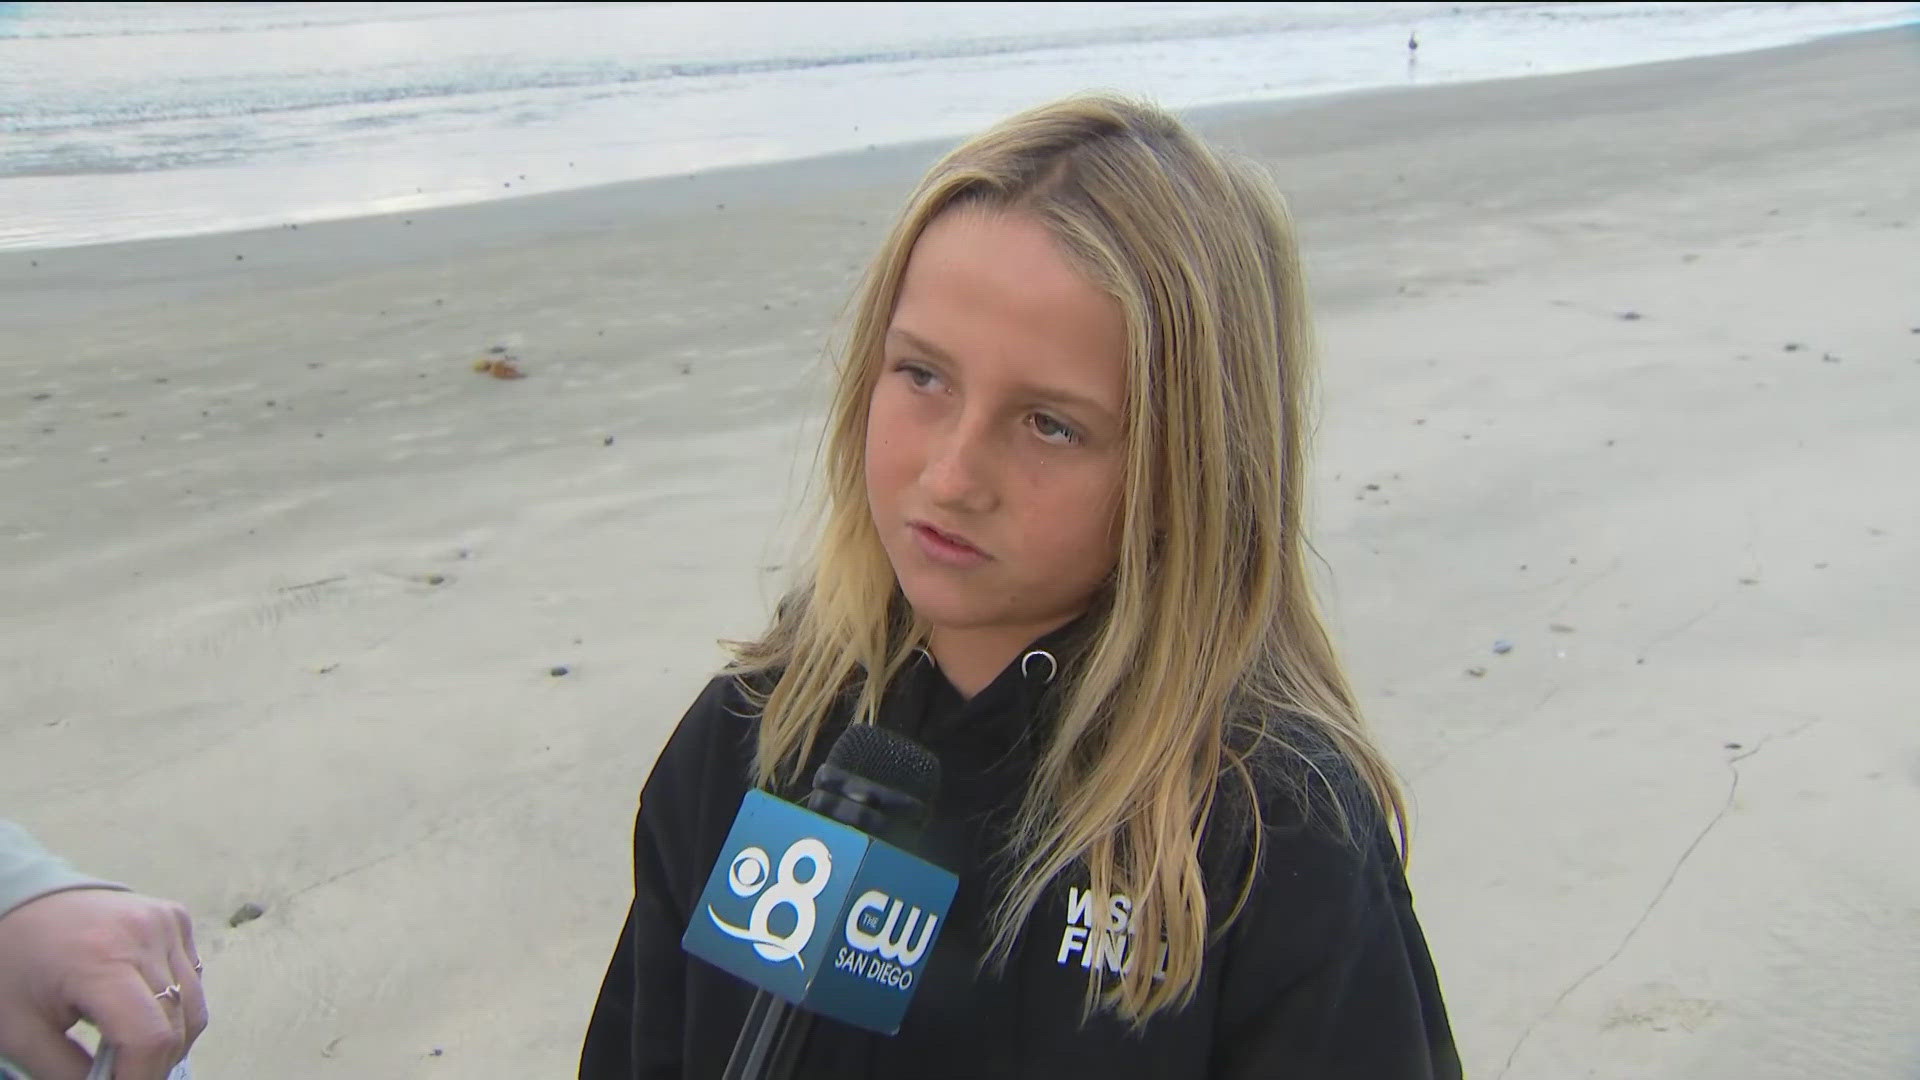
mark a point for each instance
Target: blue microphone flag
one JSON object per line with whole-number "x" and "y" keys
{"x": 820, "y": 914}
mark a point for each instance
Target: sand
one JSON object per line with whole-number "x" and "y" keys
{"x": 1622, "y": 369}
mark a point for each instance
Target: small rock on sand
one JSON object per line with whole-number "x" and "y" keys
{"x": 1477, "y": 672}
{"x": 500, "y": 367}
{"x": 246, "y": 913}
{"x": 1502, "y": 647}
{"x": 1560, "y": 628}
{"x": 558, "y": 670}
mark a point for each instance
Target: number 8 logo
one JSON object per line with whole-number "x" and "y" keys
{"x": 788, "y": 890}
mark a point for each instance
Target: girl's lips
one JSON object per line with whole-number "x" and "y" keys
{"x": 945, "y": 548}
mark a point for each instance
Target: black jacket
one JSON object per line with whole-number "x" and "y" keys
{"x": 1324, "y": 974}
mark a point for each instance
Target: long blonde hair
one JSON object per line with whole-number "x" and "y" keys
{"x": 1208, "y": 646}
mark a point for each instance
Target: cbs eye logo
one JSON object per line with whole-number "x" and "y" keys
{"x": 748, "y": 876}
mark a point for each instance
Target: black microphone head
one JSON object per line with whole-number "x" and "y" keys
{"x": 889, "y": 759}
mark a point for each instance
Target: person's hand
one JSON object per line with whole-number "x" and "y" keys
{"x": 108, "y": 957}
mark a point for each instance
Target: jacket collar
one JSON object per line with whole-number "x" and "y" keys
{"x": 1016, "y": 705}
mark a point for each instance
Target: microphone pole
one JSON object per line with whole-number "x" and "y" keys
{"x": 770, "y": 1040}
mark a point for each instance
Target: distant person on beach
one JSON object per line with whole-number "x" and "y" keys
{"x": 1063, "y": 548}
{"x": 74, "y": 947}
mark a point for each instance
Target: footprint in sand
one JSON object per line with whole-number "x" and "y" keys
{"x": 219, "y": 625}
{"x": 1660, "y": 1007}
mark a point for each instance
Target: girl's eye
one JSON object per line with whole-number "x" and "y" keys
{"x": 1054, "y": 431}
{"x": 921, "y": 377}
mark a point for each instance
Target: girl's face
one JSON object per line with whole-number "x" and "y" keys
{"x": 996, "y": 452}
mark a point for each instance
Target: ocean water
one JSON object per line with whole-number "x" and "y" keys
{"x": 121, "y": 120}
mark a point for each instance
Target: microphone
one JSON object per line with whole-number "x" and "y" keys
{"x": 825, "y": 909}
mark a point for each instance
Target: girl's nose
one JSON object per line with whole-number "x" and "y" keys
{"x": 959, "y": 470}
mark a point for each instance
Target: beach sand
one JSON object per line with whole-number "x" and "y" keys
{"x": 1621, "y": 368}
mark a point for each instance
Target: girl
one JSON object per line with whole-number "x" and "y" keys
{"x": 1063, "y": 547}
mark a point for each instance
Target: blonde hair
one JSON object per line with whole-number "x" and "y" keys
{"x": 1207, "y": 645}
